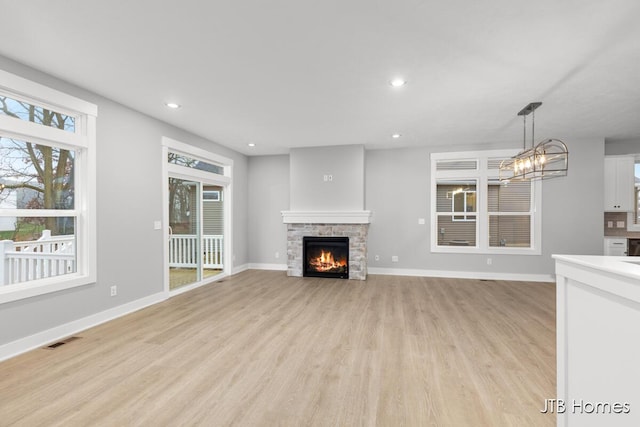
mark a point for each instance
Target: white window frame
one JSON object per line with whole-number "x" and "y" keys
{"x": 631, "y": 216}
{"x": 482, "y": 175}
{"x": 83, "y": 142}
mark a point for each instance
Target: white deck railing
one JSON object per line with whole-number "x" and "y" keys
{"x": 55, "y": 255}
{"x": 183, "y": 251}
{"x": 46, "y": 257}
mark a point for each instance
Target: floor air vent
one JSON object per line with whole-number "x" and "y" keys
{"x": 59, "y": 343}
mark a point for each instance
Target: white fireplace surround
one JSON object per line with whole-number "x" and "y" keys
{"x": 326, "y": 217}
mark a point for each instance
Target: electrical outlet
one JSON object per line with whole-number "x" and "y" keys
{"x": 620, "y": 224}
{"x": 421, "y": 221}
{"x": 277, "y": 254}
{"x": 609, "y": 224}
{"x": 394, "y": 258}
{"x": 114, "y": 291}
{"x": 489, "y": 261}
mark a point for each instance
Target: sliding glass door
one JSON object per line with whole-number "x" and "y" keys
{"x": 185, "y": 262}
{"x": 197, "y": 196}
{"x": 196, "y": 231}
{"x": 212, "y": 230}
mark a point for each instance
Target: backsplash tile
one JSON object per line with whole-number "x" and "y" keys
{"x": 618, "y": 218}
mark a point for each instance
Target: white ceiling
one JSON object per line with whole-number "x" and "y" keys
{"x": 296, "y": 73}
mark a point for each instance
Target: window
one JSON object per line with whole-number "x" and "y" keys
{"x": 190, "y": 162}
{"x": 463, "y": 201}
{"x": 47, "y": 188}
{"x": 636, "y": 192}
{"x": 474, "y": 212}
{"x": 509, "y": 210}
{"x": 211, "y": 196}
{"x": 633, "y": 217}
{"x": 456, "y": 207}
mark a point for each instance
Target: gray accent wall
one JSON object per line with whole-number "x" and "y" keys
{"x": 129, "y": 200}
{"x": 344, "y": 189}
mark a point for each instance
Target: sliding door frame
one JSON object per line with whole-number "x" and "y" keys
{"x": 207, "y": 178}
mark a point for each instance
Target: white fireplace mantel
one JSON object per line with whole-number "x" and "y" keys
{"x": 326, "y": 217}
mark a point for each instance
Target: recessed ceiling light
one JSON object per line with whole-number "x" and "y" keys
{"x": 251, "y": 144}
{"x": 398, "y": 82}
{"x": 172, "y": 105}
{"x": 396, "y": 136}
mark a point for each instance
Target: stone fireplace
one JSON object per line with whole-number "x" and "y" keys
{"x": 353, "y": 225}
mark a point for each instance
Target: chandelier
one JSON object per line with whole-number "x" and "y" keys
{"x": 547, "y": 159}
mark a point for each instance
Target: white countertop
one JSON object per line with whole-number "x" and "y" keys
{"x": 621, "y": 265}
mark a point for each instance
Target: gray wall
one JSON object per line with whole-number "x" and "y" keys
{"x": 129, "y": 199}
{"x": 309, "y": 191}
{"x": 622, "y": 147}
{"x": 268, "y": 196}
{"x": 398, "y": 193}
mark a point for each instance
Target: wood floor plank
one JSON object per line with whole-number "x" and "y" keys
{"x": 261, "y": 348}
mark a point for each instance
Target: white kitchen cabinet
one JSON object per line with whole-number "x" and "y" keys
{"x": 598, "y": 341}
{"x": 618, "y": 183}
{"x": 615, "y": 246}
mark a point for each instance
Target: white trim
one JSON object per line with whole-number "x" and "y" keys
{"x": 225, "y": 181}
{"x": 36, "y": 213}
{"x": 34, "y": 132}
{"x": 479, "y": 275}
{"x": 631, "y": 216}
{"x": 195, "y": 152}
{"x": 239, "y": 269}
{"x": 482, "y": 174}
{"x": 83, "y": 143}
{"x": 43, "y": 94}
{"x": 33, "y": 288}
{"x": 40, "y": 339}
{"x": 182, "y": 172}
{"x": 326, "y": 217}
{"x": 273, "y": 267}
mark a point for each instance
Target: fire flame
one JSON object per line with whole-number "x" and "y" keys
{"x": 326, "y": 262}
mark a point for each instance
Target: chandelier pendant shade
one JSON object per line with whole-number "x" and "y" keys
{"x": 547, "y": 159}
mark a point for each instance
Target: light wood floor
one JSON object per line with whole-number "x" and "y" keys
{"x": 262, "y": 349}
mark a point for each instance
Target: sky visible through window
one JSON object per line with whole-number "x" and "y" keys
{"x": 37, "y": 114}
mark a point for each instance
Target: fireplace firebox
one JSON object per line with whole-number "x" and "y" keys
{"x": 325, "y": 257}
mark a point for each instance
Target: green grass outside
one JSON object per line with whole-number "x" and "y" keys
{"x": 25, "y": 232}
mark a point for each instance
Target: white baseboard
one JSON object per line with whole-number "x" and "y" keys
{"x": 239, "y": 269}
{"x": 463, "y": 274}
{"x": 277, "y": 267}
{"x": 40, "y": 339}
